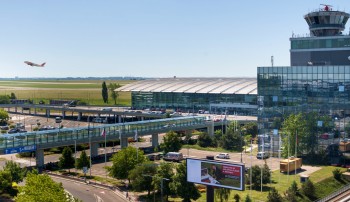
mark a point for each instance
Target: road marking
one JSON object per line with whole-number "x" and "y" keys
{"x": 98, "y": 199}
{"x": 102, "y": 192}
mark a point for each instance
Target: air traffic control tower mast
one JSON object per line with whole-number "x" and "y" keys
{"x": 326, "y": 45}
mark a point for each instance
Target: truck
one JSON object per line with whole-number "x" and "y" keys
{"x": 344, "y": 146}
{"x": 293, "y": 162}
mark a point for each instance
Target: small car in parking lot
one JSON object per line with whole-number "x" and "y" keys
{"x": 5, "y": 127}
{"x": 223, "y": 156}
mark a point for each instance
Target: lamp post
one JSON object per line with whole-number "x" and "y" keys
{"x": 75, "y": 153}
{"x": 154, "y": 194}
{"x": 89, "y": 143}
{"x": 161, "y": 187}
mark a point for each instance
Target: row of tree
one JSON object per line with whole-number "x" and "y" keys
{"x": 111, "y": 87}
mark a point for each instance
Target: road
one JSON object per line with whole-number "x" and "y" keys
{"x": 88, "y": 193}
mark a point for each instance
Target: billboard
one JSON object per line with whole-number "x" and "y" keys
{"x": 20, "y": 149}
{"x": 215, "y": 173}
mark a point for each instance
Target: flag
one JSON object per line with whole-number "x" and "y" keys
{"x": 103, "y": 133}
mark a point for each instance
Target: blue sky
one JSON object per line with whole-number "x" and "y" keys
{"x": 149, "y": 38}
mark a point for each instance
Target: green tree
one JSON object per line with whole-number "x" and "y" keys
{"x": 41, "y": 188}
{"x": 308, "y": 189}
{"x": 292, "y": 125}
{"x": 256, "y": 175}
{"x": 217, "y": 138}
{"x": 337, "y": 174}
{"x": 237, "y": 198}
{"x": 164, "y": 173}
{"x": 4, "y": 99}
{"x": 248, "y": 199}
{"x": 232, "y": 140}
{"x": 222, "y": 194}
{"x": 4, "y": 116}
{"x": 5, "y": 181}
{"x": 274, "y": 196}
{"x": 186, "y": 190}
{"x": 290, "y": 196}
{"x": 171, "y": 142}
{"x": 124, "y": 161}
{"x": 247, "y": 139}
{"x": 17, "y": 173}
{"x": 82, "y": 161}
{"x": 204, "y": 140}
{"x": 104, "y": 92}
{"x": 66, "y": 160}
{"x": 250, "y": 128}
{"x": 13, "y": 96}
{"x": 114, "y": 94}
{"x": 141, "y": 177}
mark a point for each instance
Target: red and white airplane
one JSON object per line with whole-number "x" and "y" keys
{"x": 33, "y": 64}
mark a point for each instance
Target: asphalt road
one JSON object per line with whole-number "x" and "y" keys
{"x": 88, "y": 193}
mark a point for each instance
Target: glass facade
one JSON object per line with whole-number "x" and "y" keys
{"x": 244, "y": 104}
{"x": 313, "y": 43}
{"x": 286, "y": 90}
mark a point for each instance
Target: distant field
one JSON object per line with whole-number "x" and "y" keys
{"x": 88, "y": 91}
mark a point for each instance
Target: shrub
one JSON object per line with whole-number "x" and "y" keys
{"x": 248, "y": 199}
{"x": 274, "y": 196}
{"x": 237, "y": 198}
{"x": 337, "y": 174}
{"x": 308, "y": 189}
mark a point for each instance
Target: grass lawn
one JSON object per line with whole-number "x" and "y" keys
{"x": 324, "y": 178}
{"x": 88, "y": 91}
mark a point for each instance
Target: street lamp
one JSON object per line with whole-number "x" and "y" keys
{"x": 154, "y": 194}
{"x": 75, "y": 153}
{"x": 161, "y": 187}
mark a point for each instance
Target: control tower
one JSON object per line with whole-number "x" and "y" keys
{"x": 326, "y": 22}
{"x": 327, "y": 44}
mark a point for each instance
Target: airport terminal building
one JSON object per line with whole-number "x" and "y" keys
{"x": 318, "y": 79}
{"x": 198, "y": 95}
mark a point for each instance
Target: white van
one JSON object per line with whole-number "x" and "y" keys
{"x": 58, "y": 119}
{"x": 262, "y": 155}
{"x": 173, "y": 156}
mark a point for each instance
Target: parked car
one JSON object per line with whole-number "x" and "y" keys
{"x": 262, "y": 155}
{"x": 173, "y": 156}
{"x": 5, "y": 127}
{"x": 223, "y": 156}
{"x": 58, "y": 119}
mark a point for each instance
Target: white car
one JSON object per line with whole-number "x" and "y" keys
{"x": 223, "y": 156}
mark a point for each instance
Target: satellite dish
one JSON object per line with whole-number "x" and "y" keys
{"x": 349, "y": 58}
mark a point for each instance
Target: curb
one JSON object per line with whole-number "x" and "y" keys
{"x": 115, "y": 190}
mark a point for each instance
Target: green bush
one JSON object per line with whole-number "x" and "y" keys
{"x": 337, "y": 174}
{"x": 82, "y": 103}
{"x": 308, "y": 189}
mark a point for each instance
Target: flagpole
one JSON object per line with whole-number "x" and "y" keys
{"x": 288, "y": 158}
{"x": 296, "y": 144}
{"x": 251, "y": 164}
{"x": 104, "y": 133}
{"x": 137, "y": 149}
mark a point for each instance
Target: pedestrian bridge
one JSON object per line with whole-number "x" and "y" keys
{"x": 40, "y": 140}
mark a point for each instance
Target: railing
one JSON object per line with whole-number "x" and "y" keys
{"x": 334, "y": 194}
{"x": 84, "y": 134}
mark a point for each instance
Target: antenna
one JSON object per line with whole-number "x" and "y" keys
{"x": 271, "y": 61}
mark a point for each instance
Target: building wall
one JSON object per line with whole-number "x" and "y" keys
{"x": 286, "y": 90}
{"x": 188, "y": 102}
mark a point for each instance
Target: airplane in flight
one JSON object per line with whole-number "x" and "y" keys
{"x": 33, "y": 64}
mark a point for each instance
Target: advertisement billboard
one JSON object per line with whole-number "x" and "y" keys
{"x": 215, "y": 173}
